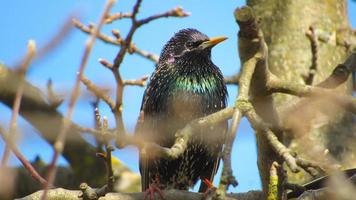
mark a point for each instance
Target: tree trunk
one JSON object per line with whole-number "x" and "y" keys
{"x": 284, "y": 24}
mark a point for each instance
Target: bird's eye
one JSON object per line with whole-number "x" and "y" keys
{"x": 192, "y": 45}
{"x": 189, "y": 45}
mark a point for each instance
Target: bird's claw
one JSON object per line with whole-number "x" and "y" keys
{"x": 152, "y": 189}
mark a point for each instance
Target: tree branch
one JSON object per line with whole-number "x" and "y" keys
{"x": 26, "y": 164}
{"x": 116, "y": 42}
{"x": 64, "y": 194}
{"x": 42, "y": 116}
{"x": 98, "y": 92}
{"x": 61, "y": 138}
{"x": 21, "y": 70}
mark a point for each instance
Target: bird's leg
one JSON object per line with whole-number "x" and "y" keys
{"x": 153, "y": 188}
{"x": 208, "y": 183}
{"x": 211, "y": 191}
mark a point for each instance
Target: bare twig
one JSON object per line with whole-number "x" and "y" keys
{"x": 117, "y": 16}
{"x": 138, "y": 82}
{"x": 310, "y": 167}
{"x": 227, "y": 177}
{"x": 109, "y": 134}
{"x": 31, "y": 49}
{"x": 98, "y": 92}
{"x": 233, "y": 80}
{"x": 27, "y": 165}
{"x": 244, "y": 79}
{"x": 145, "y": 54}
{"x": 175, "y": 12}
{"x": 54, "y": 42}
{"x": 53, "y": 99}
{"x": 346, "y": 101}
{"x": 97, "y": 125}
{"x": 263, "y": 128}
{"x": 314, "y": 49}
{"x": 108, "y": 150}
{"x": 111, "y": 178}
{"x": 117, "y": 42}
{"x": 127, "y": 47}
{"x": 90, "y": 30}
{"x": 36, "y": 110}
{"x": 117, "y": 35}
{"x": 340, "y": 73}
{"x": 60, "y": 141}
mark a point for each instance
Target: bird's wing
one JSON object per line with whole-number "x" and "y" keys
{"x": 210, "y": 173}
{"x": 143, "y": 156}
{"x": 144, "y": 173}
{"x": 148, "y": 127}
{"x": 143, "y": 162}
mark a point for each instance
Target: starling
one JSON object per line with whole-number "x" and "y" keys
{"x": 185, "y": 85}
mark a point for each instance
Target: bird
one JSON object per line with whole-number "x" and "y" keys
{"x": 184, "y": 86}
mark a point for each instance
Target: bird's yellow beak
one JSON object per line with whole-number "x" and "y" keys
{"x": 212, "y": 42}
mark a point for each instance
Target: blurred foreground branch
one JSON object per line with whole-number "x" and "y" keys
{"x": 64, "y": 194}
{"x": 37, "y": 111}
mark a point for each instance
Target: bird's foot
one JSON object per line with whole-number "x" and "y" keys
{"x": 152, "y": 189}
{"x": 210, "y": 193}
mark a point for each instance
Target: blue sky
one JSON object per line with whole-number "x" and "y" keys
{"x": 41, "y": 19}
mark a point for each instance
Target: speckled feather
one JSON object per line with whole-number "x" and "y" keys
{"x": 184, "y": 86}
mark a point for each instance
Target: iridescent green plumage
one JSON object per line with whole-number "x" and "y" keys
{"x": 185, "y": 85}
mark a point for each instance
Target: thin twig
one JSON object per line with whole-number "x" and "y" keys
{"x": 60, "y": 141}
{"x": 262, "y": 128}
{"x": 52, "y": 98}
{"x": 232, "y": 80}
{"x": 244, "y": 78}
{"x": 98, "y": 92}
{"x": 108, "y": 150}
{"x": 315, "y": 50}
{"x": 27, "y": 165}
{"x": 97, "y": 125}
{"x": 227, "y": 177}
{"x": 54, "y": 42}
{"x": 127, "y": 47}
{"x": 111, "y": 177}
{"x": 346, "y": 101}
{"x": 31, "y": 50}
{"x": 145, "y": 54}
{"x": 89, "y": 30}
{"x": 117, "y": 42}
{"x": 175, "y": 12}
{"x": 138, "y": 82}
{"x": 117, "y": 16}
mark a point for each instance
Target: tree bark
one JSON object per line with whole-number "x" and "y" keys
{"x": 48, "y": 121}
{"x": 61, "y": 193}
{"x": 284, "y": 24}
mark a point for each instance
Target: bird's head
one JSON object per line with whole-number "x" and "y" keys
{"x": 188, "y": 43}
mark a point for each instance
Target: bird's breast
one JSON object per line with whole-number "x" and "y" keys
{"x": 191, "y": 97}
